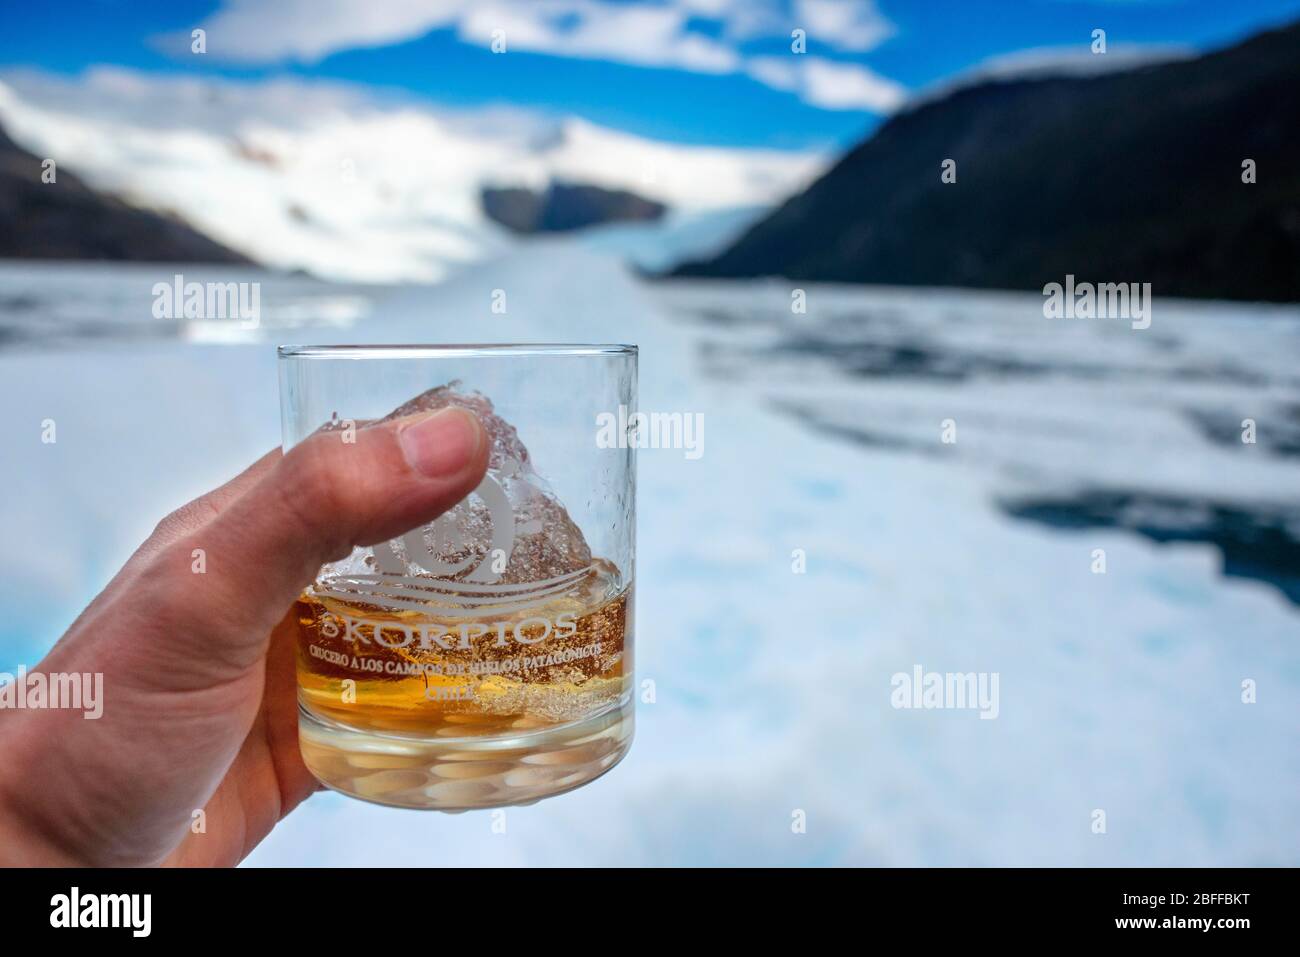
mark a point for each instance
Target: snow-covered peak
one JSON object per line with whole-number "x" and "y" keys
{"x": 347, "y": 182}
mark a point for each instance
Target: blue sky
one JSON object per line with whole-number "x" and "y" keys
{"x": 691, "y": 71}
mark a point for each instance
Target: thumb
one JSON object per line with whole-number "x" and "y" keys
{"x": 324, "y": 497}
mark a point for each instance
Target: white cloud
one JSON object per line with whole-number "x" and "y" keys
{"x": 642, "y": 34}
{"x": 844, "y": 24}
{"x": 829, "y": 84}
{"x": 654, "y": 33}
{"x": 257, "y": 31}
{"x": 1074, "y": 60}
{"x": 1078, "y": 60}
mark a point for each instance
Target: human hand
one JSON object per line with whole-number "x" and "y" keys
{"x": 200, "y": 701}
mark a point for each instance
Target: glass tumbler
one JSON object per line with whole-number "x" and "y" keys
{"x": 485, "y": 658}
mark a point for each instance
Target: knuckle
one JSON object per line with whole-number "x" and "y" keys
{"x": 314, "y": 480}
{"x": 316, "y": 492}
{"x": 189, "y": 517}
{"x": 169, "y": 580}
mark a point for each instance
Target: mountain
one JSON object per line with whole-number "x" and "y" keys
{"x": 1123, "y": 177}
{"x": 66, "y": 219}
{"x": 563, "y": 207}
{"x": 354, "y": 183}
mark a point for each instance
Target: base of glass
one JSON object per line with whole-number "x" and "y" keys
{"x": 462, "y": 774}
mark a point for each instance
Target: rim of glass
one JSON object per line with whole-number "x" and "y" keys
{"x": 459, "y": 351}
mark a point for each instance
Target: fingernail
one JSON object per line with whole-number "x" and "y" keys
{"x": 443, "y": 443}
